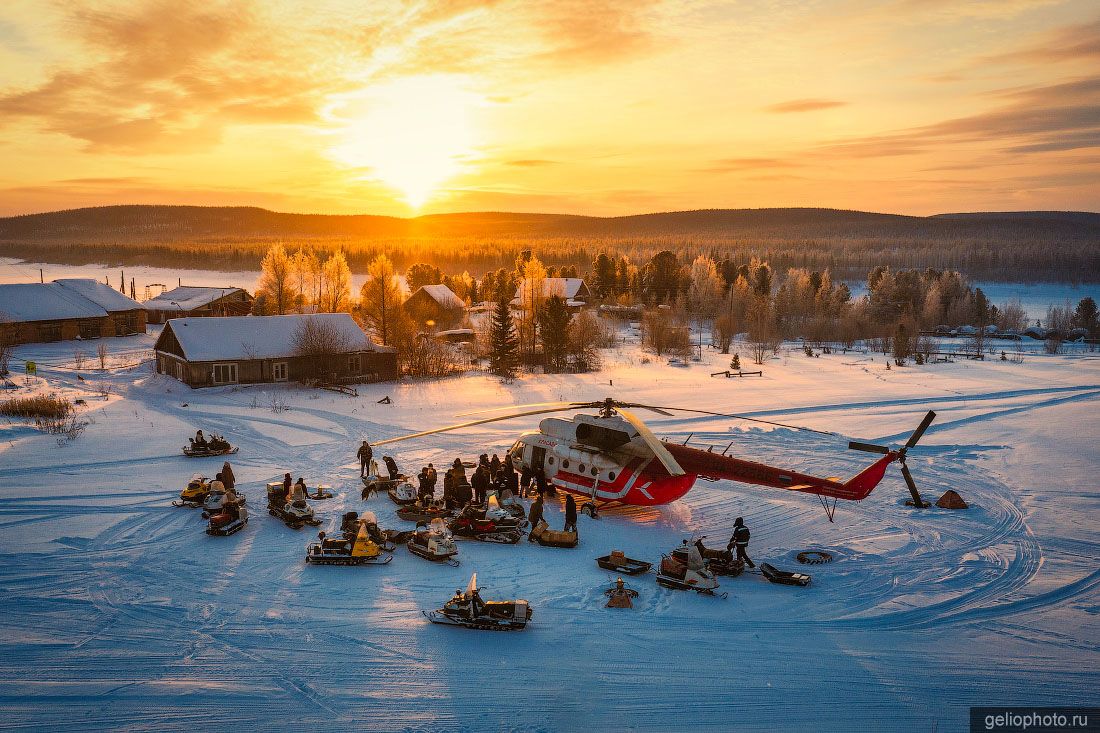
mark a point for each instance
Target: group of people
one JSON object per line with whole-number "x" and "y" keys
{"x": 295, "y": 491}
{"x": 493, "y": 475}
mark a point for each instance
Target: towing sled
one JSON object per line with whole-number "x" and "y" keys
{"x": 417, "y": 512}
{"x": 194, "y": 494}
{"x": 551, "y": 538}
{"x": 341, "y": 551}
{"x": 434, "y": 543}
{"x": 467, "y": 609}
{"x": 228, "y": 521}
{"x": 620, "y": 563}
{"x": 783, "y": 577}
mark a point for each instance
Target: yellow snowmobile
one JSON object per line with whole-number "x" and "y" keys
{"x": 194, "y": 495}
{"x": 340, "y": 551}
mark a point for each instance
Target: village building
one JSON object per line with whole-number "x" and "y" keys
{"x": 573, "y": 289}
{"x": 435, "y": 306}
{"x": 189, "y": 301}
{"x": 70, "y": 308}
{"x": 330, "y": 347}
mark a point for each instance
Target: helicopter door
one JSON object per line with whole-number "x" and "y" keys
{"x": 538, "y": 457}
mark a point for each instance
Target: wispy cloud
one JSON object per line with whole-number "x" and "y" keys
{"x": 804, "y": 105}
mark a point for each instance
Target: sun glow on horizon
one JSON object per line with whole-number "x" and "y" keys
{"x": 412, "y": 134}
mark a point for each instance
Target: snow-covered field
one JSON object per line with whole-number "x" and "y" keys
{"x": 116, "y": 610}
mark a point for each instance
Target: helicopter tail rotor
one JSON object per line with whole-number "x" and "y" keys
{"x": 900, "y": 453}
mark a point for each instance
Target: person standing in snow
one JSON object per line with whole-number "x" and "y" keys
{"x": 507, "y": 479}
{"x": 494, "y": 468}
{"x": 425, "y": 488}
{"x": 534, "y": 516}
{"x": 540, "y": 482}
{"x": 570, "y": 514}
{"x": 228, "y": 478}
{"x": 480, "y": 483}
{"x": 740, "y": 540}
{"x": 365, "y": 454}
{"x": 524, "y": 481}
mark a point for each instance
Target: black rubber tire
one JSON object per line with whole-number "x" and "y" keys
{"x": 814, "y": 557}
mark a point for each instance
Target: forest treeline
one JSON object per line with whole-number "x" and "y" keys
{"x": 1010, "y": 246}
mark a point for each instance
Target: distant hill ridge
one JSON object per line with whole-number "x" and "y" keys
{"x": 191, "y": 223}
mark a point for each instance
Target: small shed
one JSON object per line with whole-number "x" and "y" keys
{"x": 188, "y": 301}
{"x": 436, "y": 305}
{"x": 214, "y": 351}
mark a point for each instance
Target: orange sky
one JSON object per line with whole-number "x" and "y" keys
{"x": 576, "y": 106}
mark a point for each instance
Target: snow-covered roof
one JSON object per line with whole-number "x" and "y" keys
{"x": 443, "y": 295}
{"x": 256, "y": 337}
{"x": 567, "y": 287}
{"x": 99, "y": 293}
{"x": 22, "y": 302}
{"x": 187, "y": 298}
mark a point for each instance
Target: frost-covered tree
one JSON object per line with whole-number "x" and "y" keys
{"x": 276, "y": 282}
{"x": 381, "y": 299}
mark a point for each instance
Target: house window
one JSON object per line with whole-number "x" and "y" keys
{"x": 279, "y": 371}
{"x": 179, "y": 370}
{"x": 355, "y": 364}
{"x": 225, "y": 373}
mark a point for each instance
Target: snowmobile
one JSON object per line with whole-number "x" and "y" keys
{"x": 228, "y": 520}
{"x": 295, "y": 514}
{"x": 421, "y": 512}
{"x": 783, "y": 577}
{"x": 468, "y": 525}
{"x": 620, "y": 563}
{"x": 719, "y": 562}
{"x": 619, "y": 596}
{"x": 216, "y": 446}
{"x": 387, "y": 539}
{"x": 687, "y": 574}
{"x": 342, "y": 551}
{"x": 402, "y": 492}
{"x": 467, "y": 609}
{"x": 510, "y": 504}
{"x": 502, "y": 518}
{"x": 434, "y": 543}
{"x": 194, "y": 495}
{"x": 215, "y": 503}
{"x": 550, "y": 538}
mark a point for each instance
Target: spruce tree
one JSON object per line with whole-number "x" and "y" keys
{"x": 554, "y": 327}
{"x": 502, "y": 340}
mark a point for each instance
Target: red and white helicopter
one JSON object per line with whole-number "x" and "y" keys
{"x": 614, "y": 458}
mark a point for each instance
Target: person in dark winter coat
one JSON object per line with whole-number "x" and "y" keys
{"x": 540, "y": 482}
{"x": 494, "y": 467}
{"x": 480, "y": 483}
{"x": 365, "y": 454}
{"x": 391, "y": 467}
{"x": 534, "y": 516}
{"x": 507, "y": 479}
{"x": 740, "y": 540}
{"x": 524, "y": 481}
{"x": 227, "y": 476}
{"x": 570, "y": 514}
{"x": 426, "y": 489}
{"x": 287, "y": 482}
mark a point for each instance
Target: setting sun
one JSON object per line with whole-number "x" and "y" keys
{"x": 411, "y": 134}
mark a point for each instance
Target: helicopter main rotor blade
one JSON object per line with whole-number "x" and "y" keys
{"x": 920, "y": 429}
{"x": 652, "y": 441}
{"x": 562, "y": 405}
{"x": 869, "y": 447}
{"x": 471, "y": 424}
{"x": 726, "y": 414}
